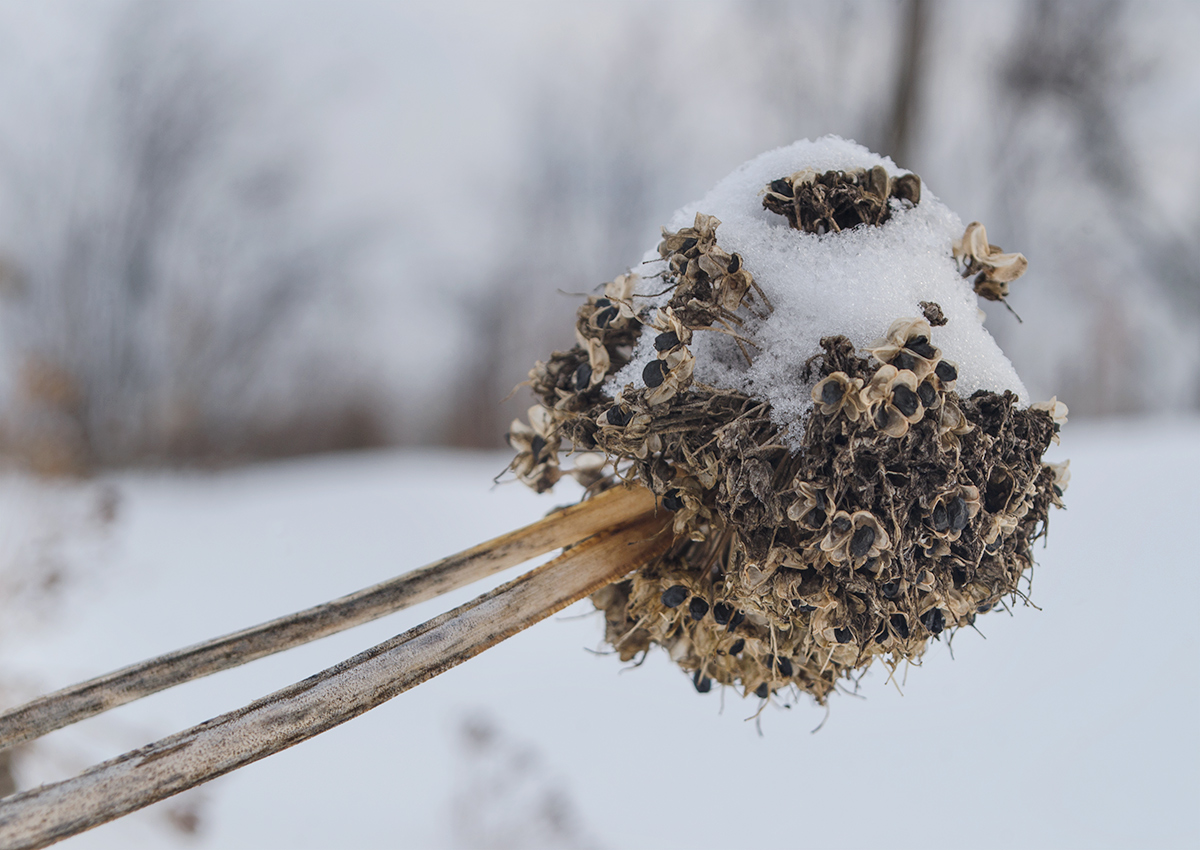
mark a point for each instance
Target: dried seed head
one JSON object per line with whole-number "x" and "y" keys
{"x": 905, "y": 510}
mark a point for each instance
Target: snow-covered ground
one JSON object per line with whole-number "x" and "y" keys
{"x": 1070, "y": 726}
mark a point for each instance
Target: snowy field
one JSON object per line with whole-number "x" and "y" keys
{"x": 1070, "y": 726}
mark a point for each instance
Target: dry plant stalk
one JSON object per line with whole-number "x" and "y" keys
{"x": 610, "y": 509}
{"x": 42, "y": 816}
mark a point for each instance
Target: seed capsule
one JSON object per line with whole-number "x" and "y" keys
{"x": 921, "y": 347}
{"x": 957, "y": 514}
{"x": 673, "y": 596}
{"x": 946, "y": 372}
{"x": 860, "y": 543}
{"x": 619, "y": 416}
{"x": 934, "y": 621}
{"x": 605, "y": 317}
{"x": 666, "y": 341}
{"x": 583, "y": 376}
{"x": 722, "y": 613}
{"x": 906, "y": 401}
{"x": 655, "y": 373}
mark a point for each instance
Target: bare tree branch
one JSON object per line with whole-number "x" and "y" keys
{"x": 132, "y": 781}
{"x": 612, "y": 509}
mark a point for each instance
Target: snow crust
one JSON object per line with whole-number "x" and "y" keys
{"x": 854, "y": 283}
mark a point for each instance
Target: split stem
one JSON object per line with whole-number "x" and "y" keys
{"x": 610, "y": 509}
{"x": 45, "y": 815}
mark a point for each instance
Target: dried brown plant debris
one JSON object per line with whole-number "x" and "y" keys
{"x": 839, "y": 200}
{"x": 907, "y": 511}
{"x": 992, "y": 268}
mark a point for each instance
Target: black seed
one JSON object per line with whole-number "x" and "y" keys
{"x": 934, "y": 621}
{"x": 882, "y": 634}
{"x": 906, "y": 401}
{"x": 860, "y": 543}
{"x": 869, "y": 564}
{"x": 890, "y": 589}
{"x": 722, "y": 613}
{"x": 688, "y": 244}
{"x": 738, "y": 646}
{"x": 904, "y": 360}
{"x": 801, "y": 608}
{"x": 832, "y": 392}
{"x": 941, "y": 520}
{"x": 583, "y": 376}
{"x": 666, "y": 341}
{"x": 535, "y": 448}
{"x": 946, "y": 372}
{"x": 697, "y": 608}
{"x": 735, "y": 264}
{"x": 927, "y": 392}
{"x": 815, "y": 517}
{"x": 922, "y": 348}
{"x": 994, "y": 546}
{"x": 841, "y": 525}
{"x": 842, "y": 635}
{"x": 899, "y": 624}
{"x": 762, "y": 691}
{"x": 958, "y": 514}
{"x": 673, "y": 596}
{"x": 881, "y": 418}
{"x": 605, "y": 317}
{"x": 655, "y": 373}
{"x": 959, "y": 576}
{"x": 985, "y": 607}
{"x": 603, "y": 302}
{"x": 782, "y": 187}
{"x": 737, "y": 620}
{"x": 784, "y": 666}
{"x": 703, "y": 684}
{"x": 672, "y": 502}
{"x": 619, "y": 416}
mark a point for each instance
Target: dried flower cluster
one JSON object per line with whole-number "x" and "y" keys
{"x": 907, "y": 512}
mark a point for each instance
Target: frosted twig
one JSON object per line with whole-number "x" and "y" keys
{"x": 86, "y": 699}
{"x": 44, "y": 815}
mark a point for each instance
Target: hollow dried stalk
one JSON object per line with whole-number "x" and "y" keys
{"x": 44, "y": 815}
{"x": 86, "y": 699}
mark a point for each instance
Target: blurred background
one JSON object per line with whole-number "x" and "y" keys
{"x": 240, "y": 232}
{"x": 237, "y": 231}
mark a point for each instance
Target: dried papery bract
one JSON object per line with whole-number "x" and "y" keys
{"x": 905, "y": 510}
{"x": 993, "y": 269}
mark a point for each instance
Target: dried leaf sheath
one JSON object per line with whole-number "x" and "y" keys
{"x": 132, "y": 781}
{"x": 610, "y": 509}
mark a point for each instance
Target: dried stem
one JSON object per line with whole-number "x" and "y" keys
{"x": 561, "y": 528}
{"x": 44, "y": 815}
